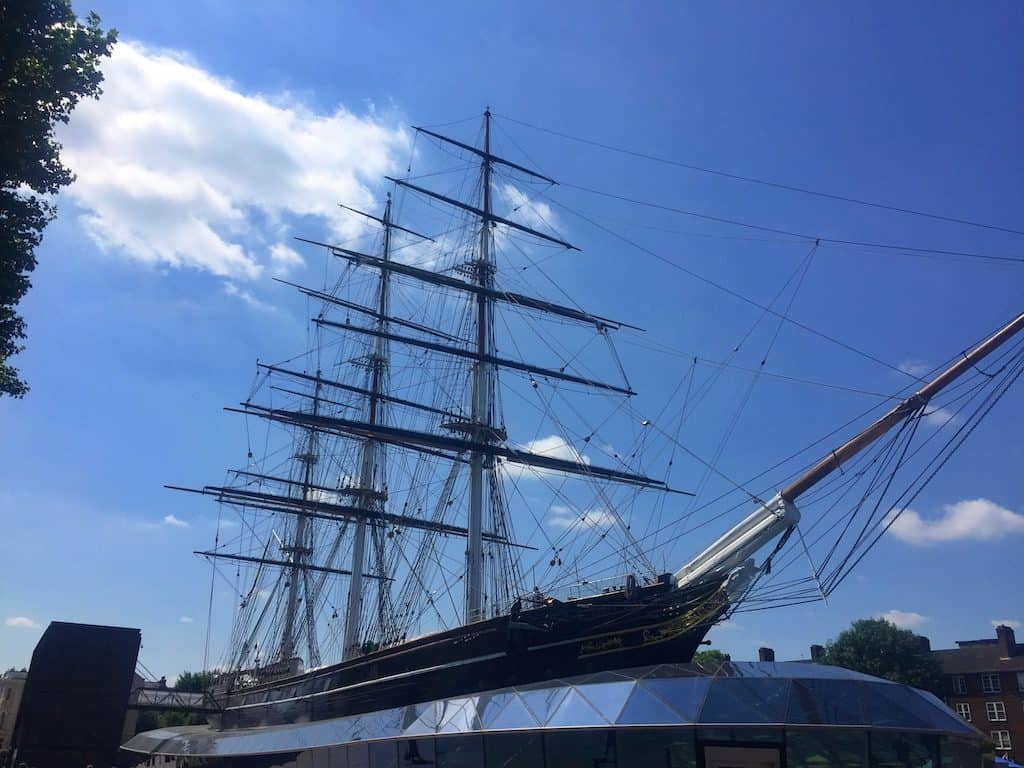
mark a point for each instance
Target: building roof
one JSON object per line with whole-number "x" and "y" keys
{"x": 974, "y": 656}
{"x": 735, "y": 694}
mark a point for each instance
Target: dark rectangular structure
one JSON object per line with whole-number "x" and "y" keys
{"x": 76, "y": 696}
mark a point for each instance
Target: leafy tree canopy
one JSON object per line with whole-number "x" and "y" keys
{"x": 712, "y": 658}
{"x": 194, "y": 682}
{"x": 880, "y": 648}
{"x": 48, "y": 62}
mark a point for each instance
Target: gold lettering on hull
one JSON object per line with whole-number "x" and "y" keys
{"x": 657, "y": 633}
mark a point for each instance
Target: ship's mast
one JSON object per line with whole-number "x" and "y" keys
{"x": 481, "y": 463}
{"x": 298, "y": 550}
{"x": 370, "y": 454}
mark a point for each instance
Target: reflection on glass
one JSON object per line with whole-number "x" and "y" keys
{"x": 741, "y": 735}
{"x": 746, "y": 700}
{"x": 960, "y": 753}
{"x": 657, "y": 748}
{"x": 903, "y": 750}
{"x": 459, "y": 751}
{"x": 514, "y": 750}
{"x": 815, "y": 748}
{"x": 580, "y": 749}
{"x": 358, "y": 755}
{"x": 819, "y": 702}
{"x": 415, "y": 752}
{"x": 337, "y": 757}
{"x": 383, "y": 754}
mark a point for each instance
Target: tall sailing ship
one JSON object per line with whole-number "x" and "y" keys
{"x": 371, "y": 538}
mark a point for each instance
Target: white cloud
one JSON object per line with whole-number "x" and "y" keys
{"x": 564, "y": 517}
{"x": 240, "y": 293}
{"x": 1011, "y": 623}
{"x": 174, "y": 522}
{"x": 179, "y": 167}
{"x": 552, "y": 446}
{"x": 915, "y": 367}
{"x": 21, "y": 622}
{"x": 904, "y": 619}
{"x": 938, "y": 417}
{"x": 284, "y": 258}
{"x": 527, "y": 211}
{"x": 970, "y": 519}
{"x": 185, "y": 620}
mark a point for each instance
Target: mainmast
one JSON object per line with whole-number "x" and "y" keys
{"x": 481, "y": 464}
{"x": 370, "y": 464}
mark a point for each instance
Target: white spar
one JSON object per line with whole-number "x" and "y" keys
{"x": 735, "y": 547}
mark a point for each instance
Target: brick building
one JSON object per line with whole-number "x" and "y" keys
{"x": 12, "y": 683}
{"x": 983, "y": 681}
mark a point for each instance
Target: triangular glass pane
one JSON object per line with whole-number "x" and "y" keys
{"x": 684, "y": 695}
{"x": 489, "y": 706}
{"x": 543, "y": 702}
{"x": 644, "y": 708}
{"x": 607, "y": 698}
{"x": 459, "y": 717}
{"x": 513, "y": 715}
{"x": 745, "y": 700}
{"x": 574, "y": 711}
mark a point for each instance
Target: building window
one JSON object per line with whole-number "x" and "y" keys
{"x": 959, "y": 684}
{"x": 996, "y": 711}
{"x": 964, "y": 710}
{"x": 1001, "y": 739}
{"x": 990, "y": 683}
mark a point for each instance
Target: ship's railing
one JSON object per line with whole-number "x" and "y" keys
{"x": 574, "y": 591}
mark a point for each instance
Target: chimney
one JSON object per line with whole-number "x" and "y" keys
{"x": 765, "y": 654}
{"x": 925, "y": 643}
{"x": 1007, "y": 641}
{"x": 817, "y": 651}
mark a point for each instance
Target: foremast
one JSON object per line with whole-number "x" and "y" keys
{"x": 481, "y": 464}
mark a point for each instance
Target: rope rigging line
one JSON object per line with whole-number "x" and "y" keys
{"x": 765, "y": 182}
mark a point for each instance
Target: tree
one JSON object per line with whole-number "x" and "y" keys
{"x": 880, "y": 648}
{"x": 48, "y": 62}
{"x": 194, "y": 682}
{"x": 712, "y": 658}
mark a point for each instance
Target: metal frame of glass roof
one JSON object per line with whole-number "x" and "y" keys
{"x": 737, "y": 694}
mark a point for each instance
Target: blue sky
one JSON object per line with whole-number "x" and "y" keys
{"x": 221, "y": 136}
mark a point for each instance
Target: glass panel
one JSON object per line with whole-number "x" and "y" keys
{"x": 685, "y": 696}
{"x": 644, "y": 708}
{"x": 459, "y": 751}
{"x": 960, "y": 753}
{"x": 575, "y": 711}
{"x": 607, "y": 698}
{"x": 304, "y": 759}
{"x": 337, "y": 757}
{"x": 741, "y": 735}
{"x": 580, "y": 749}
{"x": 415, "y": 752}
{"x": 657, "y": 748}
{"x": 896, "y": 706}
{"x": 358, "y": 756}
{"x": 745, "y": 700}
{"x": 514, "y": 715}
{"x": 383, "y": 754}
{"x": 542, "y": 703}
{"x": 832, "y": 748}
{"x": 903, "y": 750}
{"x": 940, "y": 714}
{"x": 514, "y": 750}
{"x": 321, "y": 758}
{"x": 820, "y": 702}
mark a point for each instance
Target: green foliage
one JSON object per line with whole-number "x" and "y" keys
{"x": 48, "y": 61}
{"x": 712, "y": 658}
{"x": 877, "y": 647}
{"x": 194, "y": 682}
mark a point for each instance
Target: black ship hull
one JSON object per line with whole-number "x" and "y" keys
{"x": 647, "y": 625}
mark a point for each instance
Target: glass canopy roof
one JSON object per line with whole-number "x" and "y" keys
{"x": 736, "y": 694}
